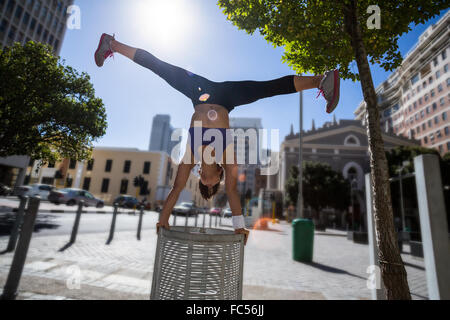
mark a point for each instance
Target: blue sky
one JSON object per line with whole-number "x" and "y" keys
{"x": 195, "y": 35}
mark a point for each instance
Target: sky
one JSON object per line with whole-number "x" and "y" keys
{"x": 194, "y": 35}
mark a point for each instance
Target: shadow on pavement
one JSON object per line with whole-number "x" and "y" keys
{"x": 67, "y": 246}
{"x": 332, "y": 269}
{"x": 42, "y": 222}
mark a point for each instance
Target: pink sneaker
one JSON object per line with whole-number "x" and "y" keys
{"x": 104, "y": 50}
{"x": 330, "y": 89}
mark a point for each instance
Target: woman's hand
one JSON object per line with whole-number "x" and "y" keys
{"x": 245, "y": 232}
{"x": 164, "y": 225}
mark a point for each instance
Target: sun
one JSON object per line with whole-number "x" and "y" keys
{"x": 167, "y": 23}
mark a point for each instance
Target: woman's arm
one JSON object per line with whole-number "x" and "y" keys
{"x": 231, "y": 177}
{"x": 183, "y": 172}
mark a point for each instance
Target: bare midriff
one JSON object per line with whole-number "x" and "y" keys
{"x": 211, "y": 116}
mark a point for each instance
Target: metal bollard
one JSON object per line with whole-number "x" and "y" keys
{"x": 220, "y": 220}
{"x": 73, "y": 237}
{"x": 15, "y": 272}
{"x": 210, "y": 221}
{"x": 174, "y": 218}
{"x": 16, "y": 227}
{"x": 204, "y": 217}
{"x": 113, "y": 224}
{"x": 196, "y": 218}
{"x": 141, "y": 213}
{"x": 215, "y": 225}
{"x": 186, "y": 220}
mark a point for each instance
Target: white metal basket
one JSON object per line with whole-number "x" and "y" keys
{"x": 198, "y": 264}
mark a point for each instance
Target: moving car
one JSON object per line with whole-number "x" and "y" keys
{"x": 227, "y": 213}
{"x": 126, "y": 201}
{"x": 34, "y": 190}
{"x": 72, "y": 196}
{"x": 5, "y": 190}
{"x": 185, "y": 208}
{"x": 215, "y": 211}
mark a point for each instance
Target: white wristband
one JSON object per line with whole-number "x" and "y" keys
{"x": 238, "y": 222}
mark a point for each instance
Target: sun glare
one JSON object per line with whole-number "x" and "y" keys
{"x": 168, "y": 23}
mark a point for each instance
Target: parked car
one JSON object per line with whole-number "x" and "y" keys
{"x": 185, "y": 208}
{"x": 34, "y": 190}
{"x": 227, "y": 213}
{"x": 71, "y": 197}
{"x": 215, "y": 211}
{"x": 127, "y": 201}
{"x": 203, "y": 210}
{"x": 5, "y": 190}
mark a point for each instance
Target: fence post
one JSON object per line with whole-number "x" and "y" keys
{"x": 196, "y": 218}
{"x": 141, "y": 213}
{"x": 15, "y": 272}
{"x": 73, "y": 237}
{"x": 17, "y": 223}
{"x": 433, "y": 225}
{"x": 204, "y": 217}
{"x": 215, "y": 223}
{"x": 113, "y": 224}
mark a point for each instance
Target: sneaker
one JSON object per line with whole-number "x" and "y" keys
{"x": 104, "y": 50}
{"x": 329, "y": 88}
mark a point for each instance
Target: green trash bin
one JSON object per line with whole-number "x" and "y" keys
{"x": 302, "y": 240}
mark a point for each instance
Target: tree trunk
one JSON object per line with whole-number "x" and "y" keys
{"x": 393, "y": 272}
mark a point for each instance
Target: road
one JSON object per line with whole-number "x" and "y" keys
{"x": 91, "y": 222}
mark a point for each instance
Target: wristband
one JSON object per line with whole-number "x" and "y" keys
{"x": 238, "y": 222}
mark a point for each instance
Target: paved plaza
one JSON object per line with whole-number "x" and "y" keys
{"x": 90, "y": 269}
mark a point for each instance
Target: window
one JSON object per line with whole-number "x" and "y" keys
{"x": 436, "y": 120}
{"x": 442, "y": 101}
{"x": 430, "y": 80}
{"x": 438, "y": 74}
{"x": 147, "y": 166}
{"x": 420, "y": 101}
{"x": 441, "y": 149}
{"x": 425, "y": 140}
{"x": 426, "y": 97}
{"x": 105, "y": 185}
{"x": 127, "y": 166}
{"x": 417, "y": 117}
{"x": 434, "y": 106}
{"x": 417, "y": 130}
{"x": 414, "y": 79}
{"x": 424, "y": 84}
{"x": 108, "y": 166}
{"x": 424, "y": 126}
{"x": 435, "y": 62}
{"x": 86, "y": 183}
{"x": 444, "y": 54}
{"x": 430, "y": 123}
{"x": 448, "y": 82}
{"x": 124, "y": 186}
{"x": 415, "y": 105}
{"x": 26, "y": 19}
{"x": 90, "y": 165}
{"x": 440, "y": 88}
{"x": 444, "y": 116}
{"x": 446, "y": 68}
{"x": 438, "y": 134}
{"x": 432, "y": 138}
{"x": 448, "y": 146}
{"x": 432, "y": 93}
{"x": 32, "y": 25}
{"x": 428, "y": 109}
{"x": 144, "y": 190}
{"x": 73, "y": 164}
{"x": 39, "y": 30}
{"x": 446, "y": 131}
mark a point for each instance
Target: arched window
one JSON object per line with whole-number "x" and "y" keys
{"x": 351, "y": 140}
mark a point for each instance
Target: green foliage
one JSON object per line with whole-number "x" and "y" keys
{"x": 313, "y": 33}
{"x": 322, "y": 187}
{"x": 398, "y": 155}
{"x": 48, "y": 111}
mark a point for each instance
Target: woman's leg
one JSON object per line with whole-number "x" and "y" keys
{"x": 245, "y": 92}
{"x": 180, "y": 79}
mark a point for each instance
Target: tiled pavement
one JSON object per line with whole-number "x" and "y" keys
{"x": 90, "y": 269}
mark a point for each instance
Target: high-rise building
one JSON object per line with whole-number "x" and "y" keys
{"x": 38, "y": 20}
{"x": 250, "y": 151}
{"x": 415, "y": 100}
{"x": 160, "y": 138}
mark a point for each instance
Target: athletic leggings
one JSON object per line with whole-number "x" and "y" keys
{"x": 228, "y": 94}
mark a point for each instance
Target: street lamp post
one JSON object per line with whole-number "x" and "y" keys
{"x": 300, "y": 161}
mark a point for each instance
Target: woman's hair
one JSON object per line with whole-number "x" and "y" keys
{"x": 204, "y": 190}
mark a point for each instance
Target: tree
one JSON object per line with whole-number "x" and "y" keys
{"x": 48, "y": 111}
{"x": 323, "y": 187}
{"x": 398, "y": 155}
{"x": 318, "y": 35}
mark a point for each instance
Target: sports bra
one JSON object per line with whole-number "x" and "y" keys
{"x": 201, "y": 136}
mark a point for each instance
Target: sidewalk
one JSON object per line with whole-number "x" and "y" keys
{"x": 90, "y": 269}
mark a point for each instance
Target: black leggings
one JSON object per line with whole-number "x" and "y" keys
{"x": 201, "y": 90}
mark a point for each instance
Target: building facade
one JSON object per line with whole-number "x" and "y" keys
{"x": 37, "y": 20}
{"x": 415, "y": 100}
{"x": 343, "y": 145}
{"x": 111, "y": 173}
